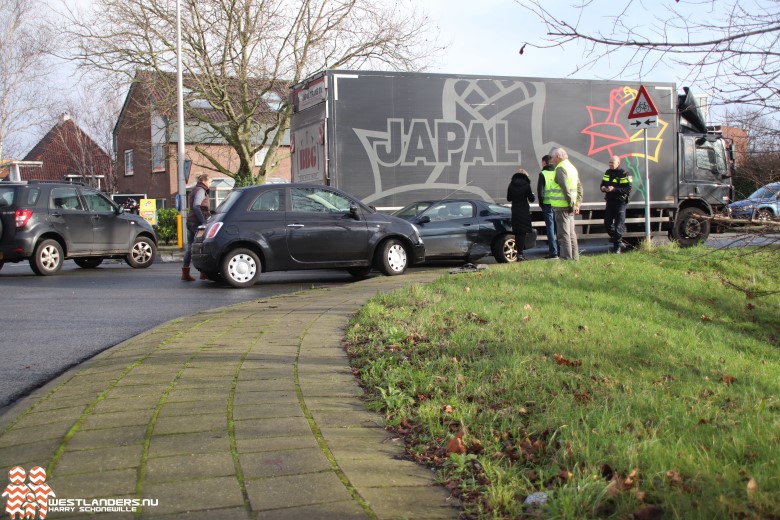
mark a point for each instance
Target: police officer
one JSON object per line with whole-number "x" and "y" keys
{"x": 616, "y": 186}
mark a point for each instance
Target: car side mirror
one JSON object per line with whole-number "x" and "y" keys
{"x": 353, "y": 212}
{"x": 424, "y": 219}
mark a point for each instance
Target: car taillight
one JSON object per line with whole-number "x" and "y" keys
{"x": 212, "y": 231}
{"x": 22, "y": 217}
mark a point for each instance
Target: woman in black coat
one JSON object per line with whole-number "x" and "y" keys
{"x": 520, "y": 194}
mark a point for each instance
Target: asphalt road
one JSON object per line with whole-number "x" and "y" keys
{"x": 51, "y": 323}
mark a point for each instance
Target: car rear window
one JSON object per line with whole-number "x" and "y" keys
{"x": 226, "y": 204}
{"x": 26, "y": 196}
{"x": 7, "y": 194}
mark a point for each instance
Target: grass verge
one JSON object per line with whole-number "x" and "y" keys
{"x": 643, "y": 384}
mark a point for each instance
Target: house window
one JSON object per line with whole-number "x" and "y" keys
{"x": 158, "y": 158}
{"x": 128, "y": 162}
{"x": 260, "y": 156}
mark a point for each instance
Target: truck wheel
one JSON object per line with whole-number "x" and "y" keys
{"x": 392, "y": 257}
{"x": 241, "y": 267}
{"x": 689, "y": 230}
{"x": 89, "y": 262}
{"x": 505, "y": 249}
{"x": 142, "y": 253}
{"x": 47, "y": 258}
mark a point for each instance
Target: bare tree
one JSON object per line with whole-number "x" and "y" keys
{"x": 241, "y": 56}
{"x": 24, "y": 49}
{"x": 731, "y": 47}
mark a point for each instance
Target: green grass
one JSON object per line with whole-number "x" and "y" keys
{"x": 641, "y": 384}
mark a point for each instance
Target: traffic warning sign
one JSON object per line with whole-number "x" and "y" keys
{"x": 643, "y": 105}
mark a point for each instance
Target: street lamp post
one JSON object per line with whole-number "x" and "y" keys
{"x": 180, "y": 115}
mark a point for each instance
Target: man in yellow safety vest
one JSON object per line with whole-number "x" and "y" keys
{"x": 564, "y": 194}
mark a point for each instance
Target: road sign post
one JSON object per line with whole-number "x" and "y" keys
{"x": 643, "y": 114}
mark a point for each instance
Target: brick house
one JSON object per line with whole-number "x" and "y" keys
{"x": 146, "y": 142}
{"x": 69, "y": 154}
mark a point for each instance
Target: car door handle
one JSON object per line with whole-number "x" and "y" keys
{"x": 295, "y": 225}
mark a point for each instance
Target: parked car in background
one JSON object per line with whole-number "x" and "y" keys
{"x": 285, "y": 227}
{"x": 47, "y": 222}
{"x": 762, "y": 204}
{"x": 464, "y": 229}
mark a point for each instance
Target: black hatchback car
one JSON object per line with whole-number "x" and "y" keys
{"x": 301, "y": 226}
{"x": 47, "y": 222}
{"x": 464, "y": 229}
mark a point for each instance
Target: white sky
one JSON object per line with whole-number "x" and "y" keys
{"x": 486, "y": 35}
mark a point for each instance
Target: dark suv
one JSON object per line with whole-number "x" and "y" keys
{"x": 285, "y": 227}
{"x": 47, "y": 222}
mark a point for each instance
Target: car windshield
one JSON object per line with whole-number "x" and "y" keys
{"x": 501, "y": 210}
{"x": 413, "y": 209}
{"x": 765, "y": 192}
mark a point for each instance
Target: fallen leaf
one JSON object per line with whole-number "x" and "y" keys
{"x": 750, "y": 306}
{"x": 566, "y": 362}
{"x": 456, "y": 444}
{"x": 467, "y": 289}
{"x": 729, "y": 380}
{"x": 526, "y": 318}
{"x": 752, "y": 486}
{"x": 583, "y": 328}
{"x": 447, "y": 408}
{"x": 704, "y": 317}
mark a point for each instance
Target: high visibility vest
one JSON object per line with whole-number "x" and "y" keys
{"x": 572, "y": 179}
{"x": 551, "y": 188}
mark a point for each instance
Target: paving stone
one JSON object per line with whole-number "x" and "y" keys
{"x": 86, "y": 461}
{"x": 265, "y": 411}
{"x": 346, "y": 510}
{"x": 101, "y": 421}
{"x": 98, "y": 484}
{"x": 262, "y": 444}
{"x": 296, "y": 491}
{"x": 186, "y": 443}
{"x": 386, "y": 472}
{"x": 424, "y": 502}
{"x": 188, "y": 467}
{"x": 106, "y": 438}
{"x": 288, "y": 462}
{"x": 194, "y": 496}
{"x": 29, "y": 455}
{"x": 280, "y": 427}
{"x": 189, "y": 424}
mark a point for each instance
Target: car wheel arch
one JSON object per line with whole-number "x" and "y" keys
{"x": 54, "y": 236}
{"x": 245, "y": 244}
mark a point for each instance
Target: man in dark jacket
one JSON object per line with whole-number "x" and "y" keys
{"x": 616, "y": 186}
{"x": 520, "y": 194}
{"x": 548, "y": 171}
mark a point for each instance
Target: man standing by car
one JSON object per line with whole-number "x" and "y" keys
{"x": 199, "y": 213}
{"x": 565, "y": 197}
{"x": 616, "y": 186}
{"x": 547, "y": 177}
